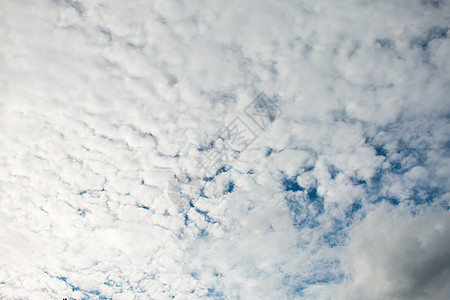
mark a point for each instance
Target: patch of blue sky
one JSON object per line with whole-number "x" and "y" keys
{"x": 305, "y": 207}
{"x": 291, "y": 184}
{"x": 229, "y": 188}
{"x": 338, "y": 234}
{"x": 206, "y": 147}
{"x": 269, "y": 152}
{"x": 423, "y": 193}
{"x": 333, "y": 171}
{"x": 206, "y": 216}
{"x": 142, "y": 206}
{"x": 213, "y": 293}
{"x": 322, "y": 273}
{"x": 203, "y": 233}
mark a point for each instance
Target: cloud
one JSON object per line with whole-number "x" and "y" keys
{"x": 395, "y": 255}
{"x": 103, "y": 104}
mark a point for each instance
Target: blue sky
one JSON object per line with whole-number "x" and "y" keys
{"x": 224, "y": 150}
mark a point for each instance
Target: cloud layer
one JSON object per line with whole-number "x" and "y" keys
{"x": 104, "y": 106}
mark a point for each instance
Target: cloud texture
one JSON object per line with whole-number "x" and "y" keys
{"x": 343, "y": 195}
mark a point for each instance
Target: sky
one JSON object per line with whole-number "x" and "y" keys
{"x": 224, "y": 149}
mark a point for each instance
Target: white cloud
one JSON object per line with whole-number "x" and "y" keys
{"x": 101, "y": 103}
{"x": 394, "y": 255}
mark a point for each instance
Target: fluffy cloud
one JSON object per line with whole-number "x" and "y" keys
{"x": 103, "y": 104}
{"x": 395, "y": 255}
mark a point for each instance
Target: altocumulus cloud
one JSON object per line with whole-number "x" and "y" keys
{"x": 343, "y": 194}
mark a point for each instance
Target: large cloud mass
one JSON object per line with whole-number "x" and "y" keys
{"x": 107, "y": 108}
{"x": 397, "y": 256}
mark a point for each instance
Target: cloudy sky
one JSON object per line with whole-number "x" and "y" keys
{"x": 272, "y": 149}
